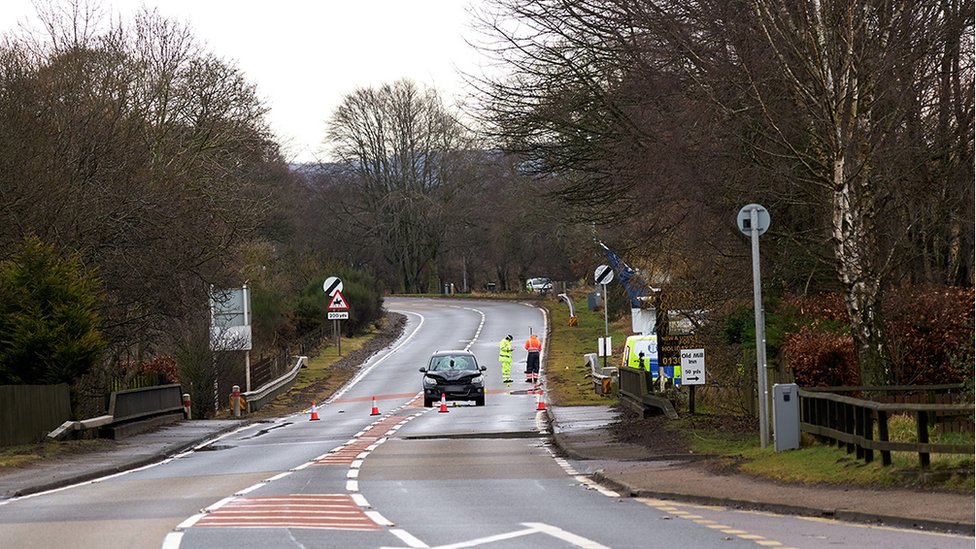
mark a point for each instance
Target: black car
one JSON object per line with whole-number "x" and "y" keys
{"x": 456, "y": 375}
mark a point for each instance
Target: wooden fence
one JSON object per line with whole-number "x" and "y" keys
{"x": 29, "y": 412}
{"x": 850, "y": 422}
{"x": 912, "y": 394}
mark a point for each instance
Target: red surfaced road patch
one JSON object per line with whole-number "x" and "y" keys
{"x": 326, "y": 511}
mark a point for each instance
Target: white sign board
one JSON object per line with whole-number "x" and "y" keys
{"x": 338, "y": 315}
{"x": 603, "y": 275}
{"x": 692, "y": 366}
{"x": 604, "y": 346}
{"x": 230, "y": 319}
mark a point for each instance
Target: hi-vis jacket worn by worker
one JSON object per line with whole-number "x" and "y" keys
{"x": 505, "y": 357}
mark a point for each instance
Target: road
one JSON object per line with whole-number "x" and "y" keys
{"x": 408, "y": 477}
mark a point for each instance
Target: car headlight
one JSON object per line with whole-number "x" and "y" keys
{"x": 478, "y": 380}
{"x": 429, "y": 381}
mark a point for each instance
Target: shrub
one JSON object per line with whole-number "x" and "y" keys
{"x": 48, "y": 317}
{"x": 361, "y": 291}
{"x": 929, "y": 330}
{"x": 821, "y": 358}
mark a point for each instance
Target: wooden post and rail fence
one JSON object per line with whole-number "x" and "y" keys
{"x": 830, "y": 415}
{"x": 850, "y": 422}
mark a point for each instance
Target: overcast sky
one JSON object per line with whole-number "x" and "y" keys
{"x": 305, "y": 55}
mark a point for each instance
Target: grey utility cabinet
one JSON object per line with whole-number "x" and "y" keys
{"x": 786, "y": 416}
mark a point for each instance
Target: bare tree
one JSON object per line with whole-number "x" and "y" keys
{"x": 142, "y": 153}
{"x": 845, "y": 64}
{"x": 407, "y": 154}
{"x": 840, "y": 111}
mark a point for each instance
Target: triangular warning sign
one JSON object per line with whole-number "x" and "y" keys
{"x": 338, "y": 303}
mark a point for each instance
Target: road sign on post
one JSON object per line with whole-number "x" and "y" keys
{"x": 692, "y": 373}
{"x": 602, "y": 276}
{"x": 332, "y": 285}
{"x": 338, "y": 308}
{"x": 692, "y": 366}
{"x": 753, "y": 220}
{"x": 338, "y": 302}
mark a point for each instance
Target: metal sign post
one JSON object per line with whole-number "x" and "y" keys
{"x": 602, "y": 276}
{"x": 338, "y": 310}
{"x": 606, "y": 324}
{"x": 332, "y": 286}
{"x": 753, "y": 220}
{"x": 692, "y": 373}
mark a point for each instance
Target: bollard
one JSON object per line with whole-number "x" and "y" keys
{"x": 235, "y": 400}
{"x": 186, "y": 405}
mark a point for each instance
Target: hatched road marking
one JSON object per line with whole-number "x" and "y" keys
{"x": 322, "y": 511}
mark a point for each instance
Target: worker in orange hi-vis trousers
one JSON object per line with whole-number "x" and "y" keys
{"x": 534, "y": 348}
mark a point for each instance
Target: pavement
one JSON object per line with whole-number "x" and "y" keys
{"x": 581, "y": 434}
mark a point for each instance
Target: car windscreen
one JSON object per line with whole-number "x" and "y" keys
{"x": 450, "y": 362}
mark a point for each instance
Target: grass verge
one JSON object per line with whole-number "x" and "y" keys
{"x": 567, "y": 373}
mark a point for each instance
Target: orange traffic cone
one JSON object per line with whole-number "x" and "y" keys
{"x": 375, "y": 411}
{"x": 540, "y": 403}
{"x": 315, "y": 414}
{"x": 443, "y": 408}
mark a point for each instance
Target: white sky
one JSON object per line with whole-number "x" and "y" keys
{"x": 305, "y": 55}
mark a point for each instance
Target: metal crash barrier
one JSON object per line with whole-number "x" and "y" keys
{"x": 635, "y": 394}
{"x": 253, "y": 400}
{"x": 604, "y": 379}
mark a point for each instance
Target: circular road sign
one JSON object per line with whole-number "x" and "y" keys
{"x": 744, "y": 219}
{"x": 332, "y": 285}
{"x": 603, "y": 274}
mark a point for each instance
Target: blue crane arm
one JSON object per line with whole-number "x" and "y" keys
{"x": 636, "y": 288}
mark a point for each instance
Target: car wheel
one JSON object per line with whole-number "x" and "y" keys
{"x": 480, "y": 401}
{"x": 428, "y": 402}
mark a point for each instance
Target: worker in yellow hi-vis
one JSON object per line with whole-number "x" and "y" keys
{"x": 505, "y": 357}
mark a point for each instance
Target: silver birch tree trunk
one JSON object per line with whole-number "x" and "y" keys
{"x": 824, "y": 49}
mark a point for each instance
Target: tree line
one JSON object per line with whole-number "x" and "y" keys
{"x": 138, "y": 172}
{"x": 851, "y": 121}
{"x": 144, "y": 163}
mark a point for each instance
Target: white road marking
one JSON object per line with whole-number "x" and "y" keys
{"x": 360, "y": 500}
{"x": 559, "y": 533}
{"x": 376, "y": 517}
{"x": 173, "y": 540}
{"x": 408, "y": 539}
{"x": 219, "y": 504}
{"x": 190, "y": 521}
{"x": 249, "y": 489}
{"x": 489, "y": 539}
